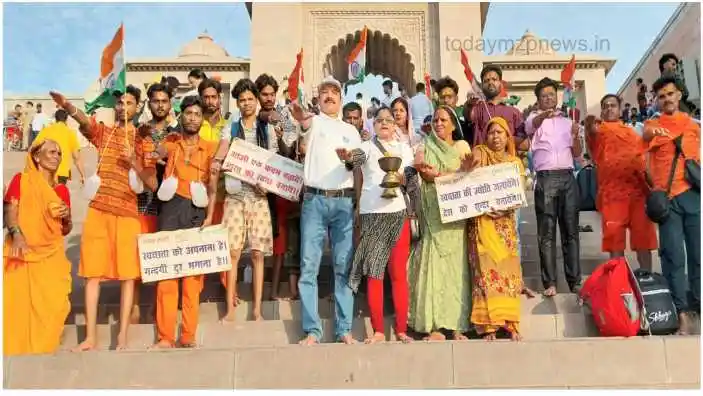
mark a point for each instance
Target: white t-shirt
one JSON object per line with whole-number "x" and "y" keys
{"x": 323, "y": 168}
{"x": 371, "y": 200}
{"x": 39, "y": 121}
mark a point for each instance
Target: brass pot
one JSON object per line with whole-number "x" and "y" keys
{"x": 392, "y": 180}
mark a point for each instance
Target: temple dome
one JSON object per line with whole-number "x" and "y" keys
{"x": 203, "y": 46}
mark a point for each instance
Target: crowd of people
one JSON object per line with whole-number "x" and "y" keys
{"x": 165, "y": 173}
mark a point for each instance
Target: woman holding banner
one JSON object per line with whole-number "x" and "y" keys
{"x": 37, "y": 274}
{"x": 493, "y": 247}
{"x": 439, "y": 271}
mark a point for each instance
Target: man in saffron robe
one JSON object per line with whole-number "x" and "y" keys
{"x": 616, "y": 150}
{"x": 109, "y": 241}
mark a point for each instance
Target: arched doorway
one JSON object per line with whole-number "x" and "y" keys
{"x": 385, "y": 56}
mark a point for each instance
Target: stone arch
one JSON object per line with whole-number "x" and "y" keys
{"x": 385, "y": 56}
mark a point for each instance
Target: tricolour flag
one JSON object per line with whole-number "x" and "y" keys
{"x": 567, "y": 78}
{"x": 296, "y": 80}
{"x": 356, "y": 60}
{"x": 428, "y": 85}
{"x": 475, "y": 86}
{"x": 112, "y": 73}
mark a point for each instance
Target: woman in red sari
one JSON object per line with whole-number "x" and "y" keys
{"x": 37, "y": 274}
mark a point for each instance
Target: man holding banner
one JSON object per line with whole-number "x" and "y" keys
{"x": 184, "y": 205}
{"x": 247, "y": 213}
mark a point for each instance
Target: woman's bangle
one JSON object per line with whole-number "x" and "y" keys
{"x": 14, "y": 230}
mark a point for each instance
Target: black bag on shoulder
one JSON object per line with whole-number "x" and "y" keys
{"x": 691, "y": 168}
{"x": 587, "y": 182}
{"x": 659, "y": 315}
{"x": 657, "y": 205}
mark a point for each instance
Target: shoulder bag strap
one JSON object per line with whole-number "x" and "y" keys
{"x": 673, "y": 165}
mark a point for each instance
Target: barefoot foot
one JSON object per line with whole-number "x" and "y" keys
{"x": 163, "y": 344}
{"x": 375, "y": 338}
{"x": 404, "y": 338}
{"x": 458, "y": 336}
{"x": 228, "y": 318}
{"x": 87, "y": 345}
{"x": 684, "y": 324}
{"x": 489, "y": 337}
{"x": 135, "y": 316}
{"x": 515, "y": 336}
{"x": 188, "y": 345}
{"x": 309, "y": 340}
{"x": 121, "y": 342}
{"x": 435, "y": 336}
{"x": 550, "y": 292}
{"x": 528, "y": 292}
{"x": 347, "y": 339}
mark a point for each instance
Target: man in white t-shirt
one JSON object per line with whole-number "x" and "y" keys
{"x": 39, "y": 121}
{"x": 332, "y": 152}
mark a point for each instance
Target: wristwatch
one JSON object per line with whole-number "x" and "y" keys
{"x": 14, "y": 230}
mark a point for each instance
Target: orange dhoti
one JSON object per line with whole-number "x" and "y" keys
{"x": 618, "y": 216}
{"x": 35, "y": 303}
{"x": 109, "y": 246}
{"x": 167, "y": 308}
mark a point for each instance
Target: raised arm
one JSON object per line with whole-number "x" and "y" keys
{"x": 84, "y": 122}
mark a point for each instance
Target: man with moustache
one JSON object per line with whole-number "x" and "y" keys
{"x": 680, "y": 231}
{"x": 481, "y": 111}
{"x": 210, "y": 92}
{"x": 556, "y": 143}
{"x": 158, "y": 128}
{"x": 448, "y": 95}
{"x": 332, "y": 148}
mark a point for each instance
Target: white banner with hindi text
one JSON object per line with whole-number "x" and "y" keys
{"x": 176, "y": 254}
{"x": 465, "y": 195}
{"x": 274, "y": 173}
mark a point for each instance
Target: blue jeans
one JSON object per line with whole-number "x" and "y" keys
{"x": 320, "y": 214}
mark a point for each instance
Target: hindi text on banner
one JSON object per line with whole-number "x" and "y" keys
{"x": 469, "y": 194}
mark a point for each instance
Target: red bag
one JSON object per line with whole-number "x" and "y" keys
{"x": 615, "y": 303}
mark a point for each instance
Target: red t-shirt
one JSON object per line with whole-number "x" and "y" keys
{"x": 13, "y": 191}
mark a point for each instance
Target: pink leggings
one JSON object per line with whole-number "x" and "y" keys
{"x": 397, "y": 267}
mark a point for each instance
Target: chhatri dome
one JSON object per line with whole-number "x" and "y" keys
{"x": 203, "y": 46}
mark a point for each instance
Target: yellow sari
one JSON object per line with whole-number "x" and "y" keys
{"x": 493, "y": 251}
{"x": 37, "y": 285}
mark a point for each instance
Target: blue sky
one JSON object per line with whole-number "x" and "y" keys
{"x": 65, "y": 40}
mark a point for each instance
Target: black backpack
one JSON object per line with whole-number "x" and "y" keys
{"x": 587, "y": 183}
{"x": 659, "y": 312}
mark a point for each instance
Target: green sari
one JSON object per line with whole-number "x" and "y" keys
{"x": 439, "y": 275}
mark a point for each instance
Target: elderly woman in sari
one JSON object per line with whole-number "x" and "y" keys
{"x": 385, "y": 230}
{"x": 37, "y": 275}
{"x": 493, "y": 246}
{"x": 439, "y": 271}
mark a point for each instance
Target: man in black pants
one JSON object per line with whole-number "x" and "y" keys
{"x": 555, "y": 143}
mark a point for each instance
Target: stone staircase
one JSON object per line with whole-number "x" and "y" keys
{"x": 561, "y": 350}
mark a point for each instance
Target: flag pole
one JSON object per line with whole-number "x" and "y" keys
{"x": 126, "y": 119}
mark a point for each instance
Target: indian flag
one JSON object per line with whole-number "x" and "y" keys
{"x": 357, "y": 60}
{"x": 112, "y": 73}
{"x": 567, "y": 78}
{"x": 297, "y": 80}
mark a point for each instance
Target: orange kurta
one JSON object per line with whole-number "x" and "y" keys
{"x": 196, "y": 167}
{"x": 36, "y": 286}
{"x": 662, "y": 150}
{"x": 109, "y": 242}
{"x": 622, "y": 189}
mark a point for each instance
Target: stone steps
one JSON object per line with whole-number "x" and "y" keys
{"x": 584, "y": 363}
{"x": 212, "y": 306}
